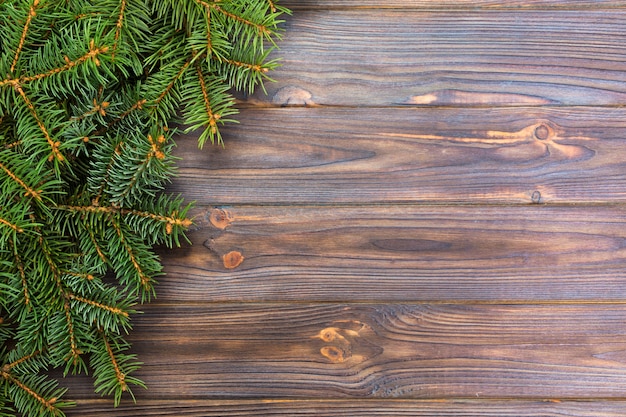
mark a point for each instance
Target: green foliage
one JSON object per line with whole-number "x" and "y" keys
{"x": 90, "y": 92}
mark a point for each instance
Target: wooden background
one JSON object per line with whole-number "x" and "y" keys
{"x": 425, "y": 216}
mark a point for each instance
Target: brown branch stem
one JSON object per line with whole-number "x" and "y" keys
{"x": 118, "y": 372}
{"x": 31, "y": 14}
{"x": 29, "y": 191}
{"x": 48, "y": 404}
{"x": 102, "y": 306}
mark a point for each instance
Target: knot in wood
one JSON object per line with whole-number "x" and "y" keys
{"x": 542, "y": 132}
{"x": 220, "y": 218}
{"x": 333, "y": 354}
{"x": 293, "y": 96}
{"x": 329, "y": 334}
{"x": 536, "y": 197}
{"x": 232, "y": 259}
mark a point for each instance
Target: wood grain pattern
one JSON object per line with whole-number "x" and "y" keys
{"x": 424, "y": 217}
{"x": 330, "y": 156}
{"x": 351, "y": 408}
{"x": 408, "y": 57}
{"x": 299, "y": 5}
{"x": 396, "y": 253}
{"x": 380, "y": 351}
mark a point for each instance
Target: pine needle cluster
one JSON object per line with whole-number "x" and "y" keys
{"x": 91, "y": 93}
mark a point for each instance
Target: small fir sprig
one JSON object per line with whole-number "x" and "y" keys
{"x": 90, "y": 94}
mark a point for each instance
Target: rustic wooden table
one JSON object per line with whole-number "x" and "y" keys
{"x": 424, "y": 216}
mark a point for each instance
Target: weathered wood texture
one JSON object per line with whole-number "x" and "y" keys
{"x": 390, "y": 155}
{"x": 395, "y": 253}
{"x": 478, "y": 58}
{"x": 425, "y": 216}
{"x": 299, "y": 5}
{"x": 361, "y": 408}
{"x": 379, "y": 351}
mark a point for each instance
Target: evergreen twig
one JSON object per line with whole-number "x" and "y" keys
{"x": 90, "y": 92}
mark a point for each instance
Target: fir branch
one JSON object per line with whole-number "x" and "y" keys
{"x": 169, "y": 221}
{"x": 87, "y": 94}
{"x": 140, "y": 168}
{"x": 138, "y": 105}
{"x": 47, "y": 404}
{"x": 22, "y": 362}
{"x": 209, "y": 41}
{"x": 7, "y": 367}
{"x": 15, "y": 227}
{"x": 31, "y": 13}
{"x": 51, "y": 263}
{"x": 75, "y": 352}
{"x": 246, "y": 65}
{"x": 155, "y": 148}
{"x": 94, "y": 52}
{"x": 213, "y": 118}
{"x": 262, "y": 29}
{"x": 144, "y": 279}
{"x": 104, "y": 177}
{"x": 95, "y": 244}
{"x": 113, "y": 368}
{"x": 12, "y": 144}
{"x": 54, "y": 145}
{"x": 86, "y": 15}
{"x": 97, "y": 108}
{"x": 88, "y": 277}
{"x": 118, "y": 28}
{"x": 110, "y": 309}
{"x": 91, "y": 209}
{"x": 22, "y": 273}
{"x": 210, "y": 105}
{"x": 171, "y": 85}
{"x": 119, "y": 375}
{"x": 29, "y": 191}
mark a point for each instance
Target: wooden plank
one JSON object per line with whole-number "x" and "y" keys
{"x": 379, "y": 351}
{"x": 475, "y": 58}
{"x": 400, "y": 253}
{"x": 299, "y": 5}
{"x": 350, "y": 408}
{"x": 330, "y": 156}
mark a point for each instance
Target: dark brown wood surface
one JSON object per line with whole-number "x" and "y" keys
{"x": 380, "y": 57}
{"x": 454, "y": 4}
{"x": 381, "y": 351}
{"x": 425, "y": 216}
{"x": 396, "y": 155}
{"x": 364, "y": 408}
{"x": 397, "y": 253}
